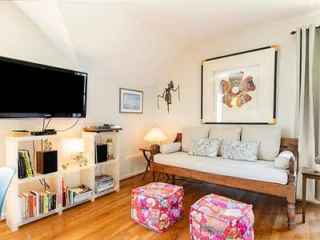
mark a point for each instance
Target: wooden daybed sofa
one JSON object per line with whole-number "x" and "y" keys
{"x": 285, "y": 190}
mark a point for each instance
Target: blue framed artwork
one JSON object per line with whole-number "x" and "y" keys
{"x": 131, "y": 101}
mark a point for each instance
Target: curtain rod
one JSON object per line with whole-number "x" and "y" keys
{"x": 294, "y": 32}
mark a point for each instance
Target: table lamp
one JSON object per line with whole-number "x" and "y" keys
{"x": 73, "y": 147}
{"x": 155, "y": 136}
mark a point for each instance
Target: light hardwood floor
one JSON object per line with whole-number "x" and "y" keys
{"x": 109, "y": 217}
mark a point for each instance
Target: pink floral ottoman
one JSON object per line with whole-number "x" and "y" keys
{"x": 157, "y": 205}
{"x": 217, "y": 217}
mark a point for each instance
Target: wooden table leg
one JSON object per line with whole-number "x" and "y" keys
{"x": 304, "y": 193}
{"x": 148, "y": 163}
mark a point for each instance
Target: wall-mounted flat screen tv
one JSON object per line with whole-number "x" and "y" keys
{"x": 31, "y": 90}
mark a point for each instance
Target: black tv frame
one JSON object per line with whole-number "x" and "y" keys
{"x": 46, "y": 115}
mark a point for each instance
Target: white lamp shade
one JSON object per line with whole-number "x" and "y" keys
{"x": 155, "y": 136}
{"x": 70, "y": 146}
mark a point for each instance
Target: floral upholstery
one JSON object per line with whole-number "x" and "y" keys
{"x": 157, "y": 205}
{"x": 241, "y": 150}
{"x": 217, "y": 217}
{"x": 205, "y": 147}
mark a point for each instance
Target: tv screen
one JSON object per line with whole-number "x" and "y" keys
{"x": 30, "y": 90}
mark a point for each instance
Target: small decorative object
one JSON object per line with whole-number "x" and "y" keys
{"x": 131, "y": 101}
{"x": 47, "y": 145}
{"x": 240, "y": 88}
{"x": 166, "y": 95}
{"x": 110, "y": 144}
{"x": 317, "y": 164}
{"x": 19, "y": 133}
{"x": 73, "y": 147}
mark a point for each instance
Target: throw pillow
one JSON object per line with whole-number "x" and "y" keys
{"x": 282, "y": 161}
{"x": 191, "y": 133}
{"x": 241, "y": 150}
{"x": 205, "y": 147}
{"x": 225, "y": 133}
{"x": 170, "y": 147}
{"x": 269, "y": 137}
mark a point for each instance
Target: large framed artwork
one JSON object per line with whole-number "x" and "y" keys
{"x": 131, "y": 101}
{"x": 240, "y": 88}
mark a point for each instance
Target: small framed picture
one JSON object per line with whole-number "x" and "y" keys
{"x": 131, "y": 101}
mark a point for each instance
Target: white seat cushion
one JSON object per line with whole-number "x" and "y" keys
{"x": 191, "y": 133}
{"x": 260, "y": 170}
{"x": 225, "y": 133}
{"x": 269, "y": 137}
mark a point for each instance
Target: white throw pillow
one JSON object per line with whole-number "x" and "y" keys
{"x": 282, "y": 161}
{"x": 241, "y": 150}
{"x": 269, "y": 137}
{"x": 205, "y": 147}
{"x": 170, "y": 147}
{"x": 227, "y": 133}
{"x": 191, "y": 133}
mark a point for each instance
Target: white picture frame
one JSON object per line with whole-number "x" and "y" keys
{"x": 240, "y": 88}
{"x": 130, "y": 101}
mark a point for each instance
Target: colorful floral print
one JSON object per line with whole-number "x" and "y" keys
{"x": 217, "y": 217}
{"x": 157, "y": 205}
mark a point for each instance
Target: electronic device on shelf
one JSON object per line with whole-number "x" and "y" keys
{"x": 44, "y": 132}
{"x": 103, "y": 128}
{"x": 41, "y": 91}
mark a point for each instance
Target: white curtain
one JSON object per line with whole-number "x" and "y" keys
{"x": 307, "y": 105}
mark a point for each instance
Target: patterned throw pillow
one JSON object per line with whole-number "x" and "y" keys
{"x": 205, "y": 147}
{"x": 241, "y": 150}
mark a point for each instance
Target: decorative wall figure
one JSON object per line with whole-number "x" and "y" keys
{"x": 167, "y": 94}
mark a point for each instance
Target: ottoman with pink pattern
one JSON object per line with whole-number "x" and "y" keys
{"x": 157, "y": 205}
{"x": 217, "y": 217}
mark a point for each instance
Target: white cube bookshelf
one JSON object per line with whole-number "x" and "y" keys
{"x": 72, "y": 176}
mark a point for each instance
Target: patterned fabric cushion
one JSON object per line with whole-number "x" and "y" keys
{"x": 241, "y": 150}
{"x": 157, "y": 206}
{"x": 205, "y": 147}
{"x": 217, "y": 217}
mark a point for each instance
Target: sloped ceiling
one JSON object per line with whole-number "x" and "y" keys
{"x": 138, "y": 41}
{"x": 104, "y": 40}
{"x": 190, "y": 21}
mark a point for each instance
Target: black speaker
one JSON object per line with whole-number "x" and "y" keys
{"x": 102, "y": 153}
{"x": 47, "y": 162}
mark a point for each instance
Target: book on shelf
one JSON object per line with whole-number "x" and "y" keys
{"x": 25, "y": 166}
{"x": 104, "y": 183}
{"x": 33, "y": 203}
{"x": 75, "y": 194}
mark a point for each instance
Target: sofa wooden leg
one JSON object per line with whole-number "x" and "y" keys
{"x": 153, "y": 176}
{"x": 173, "y": 179}
{"x": 291, "y": 210}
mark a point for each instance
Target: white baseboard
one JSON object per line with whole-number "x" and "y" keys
{"x": 132, "y": 174}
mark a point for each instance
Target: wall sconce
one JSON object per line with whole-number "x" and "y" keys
{"x": 73, "y": 147}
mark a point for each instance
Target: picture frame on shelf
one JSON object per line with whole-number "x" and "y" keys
{"x": 130, "y": 101}
{"x": 240, "y": 88}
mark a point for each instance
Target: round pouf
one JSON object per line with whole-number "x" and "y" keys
{"x": 217, "y": 217}
{"x": 157, "y": 205}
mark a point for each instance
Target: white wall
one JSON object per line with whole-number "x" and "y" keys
{"x": 22, "y": 39}
{"x": 187, "y": 69}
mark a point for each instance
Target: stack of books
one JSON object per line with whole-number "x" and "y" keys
{"x": 81, "y": 193}
{"x": 104, "y": 183}
{"x": 75, "y": 195}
